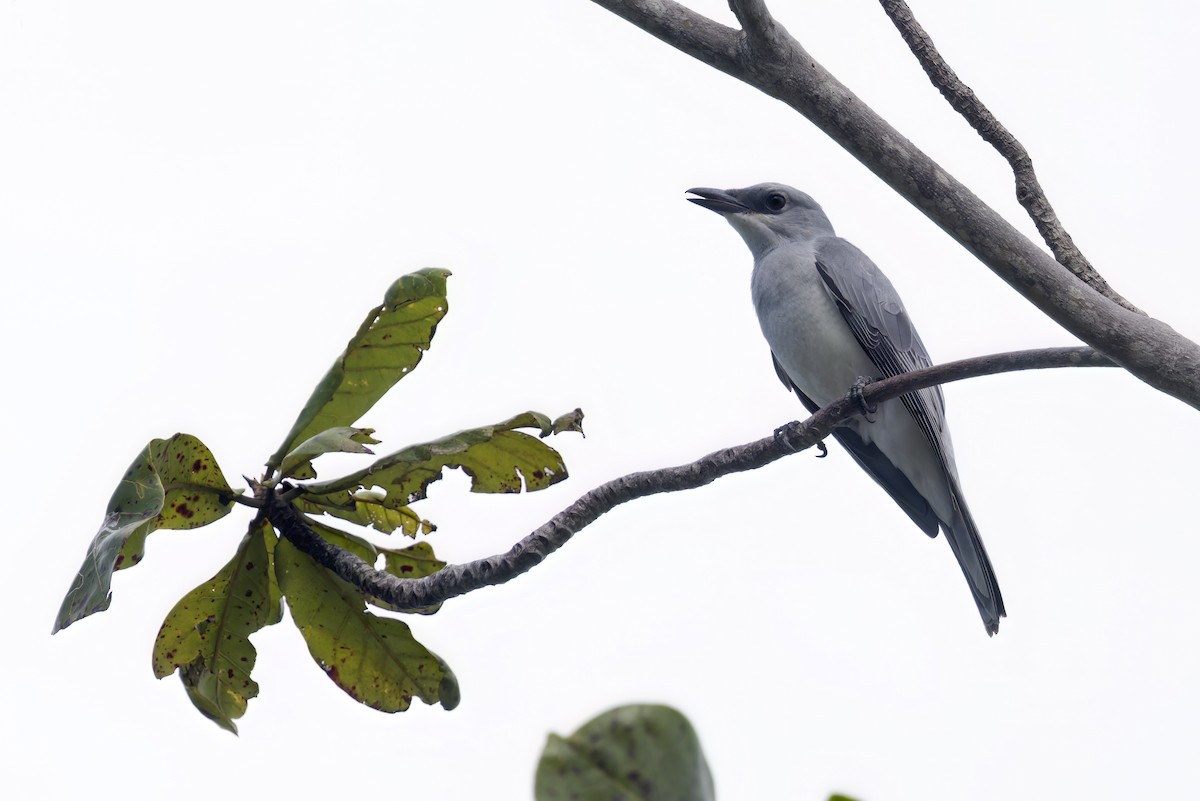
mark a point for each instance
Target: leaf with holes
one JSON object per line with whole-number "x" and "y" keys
{"x": 206, "y": 636}
{"x": 374, "y": 659}
{"x": 173, "y": 483}
{"x": 498, "y": 458}
{"x": 388, "y": 345}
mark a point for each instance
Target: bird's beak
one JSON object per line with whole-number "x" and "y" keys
{"x": 717, "y": 200}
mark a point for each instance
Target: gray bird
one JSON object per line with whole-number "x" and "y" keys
{"x": 831, "y": 317}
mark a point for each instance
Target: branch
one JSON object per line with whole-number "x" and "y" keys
{"x": 1029, "y": 190}
{"x": 455, "y": 580}
{"x": 759, "y": 26}
{"x": 1148, "y": 348}
{"x": 694, "y": 34}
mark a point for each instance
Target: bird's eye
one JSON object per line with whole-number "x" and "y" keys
{"x": 776, "y": 201}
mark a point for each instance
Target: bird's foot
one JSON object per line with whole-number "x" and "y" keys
{"x": 783, "y": 434}
{"x": 856, "y": 392}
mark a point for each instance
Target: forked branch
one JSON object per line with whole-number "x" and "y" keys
{"x": 1030, "y": 194}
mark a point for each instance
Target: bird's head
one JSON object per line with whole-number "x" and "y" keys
{"x": 766, "y": 215}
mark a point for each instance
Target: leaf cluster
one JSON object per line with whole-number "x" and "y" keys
{"x": 375, "y": 658}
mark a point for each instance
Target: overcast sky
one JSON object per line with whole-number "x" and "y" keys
{"x": 198, "y": 203}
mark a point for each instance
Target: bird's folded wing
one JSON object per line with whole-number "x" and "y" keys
{"x": 873, "y": 310}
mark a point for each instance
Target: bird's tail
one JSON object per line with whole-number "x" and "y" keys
{"x": 972, "y": 557}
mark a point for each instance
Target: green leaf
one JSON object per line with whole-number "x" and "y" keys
{"x": 839, "y": 797}
{"x": 197, "y": 493}
{"x": 388, "y": 345}
{"x": 173, "y": 483}
{"x": 448, "y": 691}
{"x": 342, "y": 439}
{"x": 303, "y": 472}
{"x": 367, "y": 508}
{"x": 195, "y": 490}
{"x": 415, "y": 561}
{"x": 374, "y": 659}
{"x": 498, "y": 458}
{"x": 631, "y": 753}
{"x": 206, "y": 636}
{"x": 275, "y": 607}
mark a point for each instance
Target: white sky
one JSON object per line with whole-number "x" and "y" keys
{"x": 198, "y": 202}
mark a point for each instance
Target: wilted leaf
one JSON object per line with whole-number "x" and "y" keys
{"x": 173, "y": 483}
{"x": 374, "y": 659}
{"x": 632, "y": 753}
{"x": 206, "y": 635}
{"x": 388, "y": 345}
{"x": 342, "y": 439}
{"x": 571, "y": 421}
{"x": 498, "y": 458}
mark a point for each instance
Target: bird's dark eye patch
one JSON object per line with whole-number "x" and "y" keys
{"x": 776, "y": 201}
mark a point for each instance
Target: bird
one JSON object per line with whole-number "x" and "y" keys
{"x": 831, "y": 317}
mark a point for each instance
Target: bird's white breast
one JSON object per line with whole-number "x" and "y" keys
{"x": 804, "y": 328}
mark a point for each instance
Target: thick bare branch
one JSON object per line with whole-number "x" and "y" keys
{"x": 694, "y": 34}
{"x": 1029, "y": 190}
{"x": 1148, "y": 348}
{"x": 455, "y": 580}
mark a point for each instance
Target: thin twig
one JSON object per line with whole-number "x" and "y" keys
{"x": 455, "y": 580}
{"x": 1029, "y": 191}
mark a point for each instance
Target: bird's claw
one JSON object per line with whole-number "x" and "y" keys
{"x": 781, "y": 435}
{"x": 784, "y": 431}
{"x": 856, "y": 392}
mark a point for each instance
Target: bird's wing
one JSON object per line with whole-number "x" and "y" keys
{"x": 876, "y": 316}
{"x": 873, "y": 310}
{"x": 869, "y": 304}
